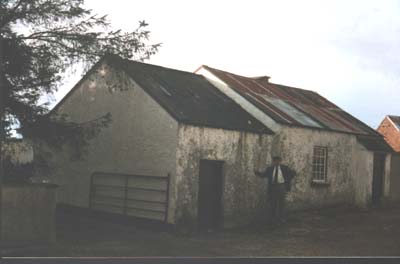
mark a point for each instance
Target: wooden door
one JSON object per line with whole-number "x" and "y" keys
{"x": 210, "y": 195}
{"x": 377, "y": 179}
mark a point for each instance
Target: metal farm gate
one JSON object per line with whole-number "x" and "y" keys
{"x": 130, "y": 195}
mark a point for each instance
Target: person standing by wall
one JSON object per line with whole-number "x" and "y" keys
{"x": 279, "y": 183}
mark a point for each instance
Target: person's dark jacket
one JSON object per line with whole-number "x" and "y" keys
{"x": 287, "y": 174}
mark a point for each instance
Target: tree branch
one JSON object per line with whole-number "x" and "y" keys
{"x": 8, "y": 18}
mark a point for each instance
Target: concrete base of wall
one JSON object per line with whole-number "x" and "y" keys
{"x": 28, "y": 214}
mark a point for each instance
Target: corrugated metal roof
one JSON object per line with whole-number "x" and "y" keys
{"x": 395, "y": 120}
{"x": 293, "y": 106}
{"x": 189, "y": 98}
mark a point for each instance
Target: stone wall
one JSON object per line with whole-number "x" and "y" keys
{"x": 362, "y": 174}
{"x": 296, "y": 146}
{"x": 349, "y": 173}
{"x": 244, "y": 194}
{"x": 28, "y": 214}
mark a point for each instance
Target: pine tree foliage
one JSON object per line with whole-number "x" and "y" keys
{"x": 39, "y": 41}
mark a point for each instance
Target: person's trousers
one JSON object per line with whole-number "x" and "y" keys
{"x": 277, "y": 198}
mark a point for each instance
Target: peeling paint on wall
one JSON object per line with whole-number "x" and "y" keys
{"x": 244, "y": 194}
{"x": 295, "y": 145}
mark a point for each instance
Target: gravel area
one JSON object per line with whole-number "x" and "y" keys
{"x": 328, "y": 232}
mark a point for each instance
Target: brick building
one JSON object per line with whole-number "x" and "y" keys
{"x": 390, "y": 129}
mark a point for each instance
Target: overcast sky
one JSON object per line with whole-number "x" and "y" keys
{"x": 348, "y": 51}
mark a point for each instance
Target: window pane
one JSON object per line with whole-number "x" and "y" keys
{"x": 319, "y": 163}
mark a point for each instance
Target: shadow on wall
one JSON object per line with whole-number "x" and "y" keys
{"x": 28, "y": 214}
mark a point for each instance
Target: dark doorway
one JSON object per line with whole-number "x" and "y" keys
{"x": 377, "y": 178}
{"x": 210, "y": 195}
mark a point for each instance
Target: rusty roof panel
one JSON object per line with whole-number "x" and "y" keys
{"x": 293, "y": 106}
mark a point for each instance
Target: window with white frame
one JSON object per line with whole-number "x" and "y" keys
{"x": 320, "y": 164}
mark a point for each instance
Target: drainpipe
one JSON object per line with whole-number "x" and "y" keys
{"x": 2, "y": 93}
{"x": 1, "y": 162}
{"x": 1, "y": 169}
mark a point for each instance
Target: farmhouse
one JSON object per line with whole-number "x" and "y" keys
{"x": 390, "y": 129}
{"x": 338, "y": 158}
{"x": 183, "y": 147}
{"x": 164, "y": 122}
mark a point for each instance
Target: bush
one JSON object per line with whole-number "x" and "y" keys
{"x": 17, "y": 173}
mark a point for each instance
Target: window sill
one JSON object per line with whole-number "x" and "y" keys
{"x": 320, "y": 183}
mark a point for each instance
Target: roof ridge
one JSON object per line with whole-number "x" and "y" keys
{"x": 194, "y": 110}
{"x": 257, "y": 77}
{"x": 149, "y": 64}
{"x": 277, "y": 84}
{"x": 292, "y": 87}
{"x": 312, "y": 104}
{"x": 188, "y": 115}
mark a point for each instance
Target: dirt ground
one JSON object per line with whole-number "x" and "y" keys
{"x": 328, "y": 232}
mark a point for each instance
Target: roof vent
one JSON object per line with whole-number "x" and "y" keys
{"x": 262, "y": 78}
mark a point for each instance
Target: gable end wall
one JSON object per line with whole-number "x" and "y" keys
{"x": 390, "y": 133}
{"x": 141, "y": 138}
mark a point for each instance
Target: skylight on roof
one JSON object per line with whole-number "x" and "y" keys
{"x": 291, "y": 111}
{"x": 165, "y": 90}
